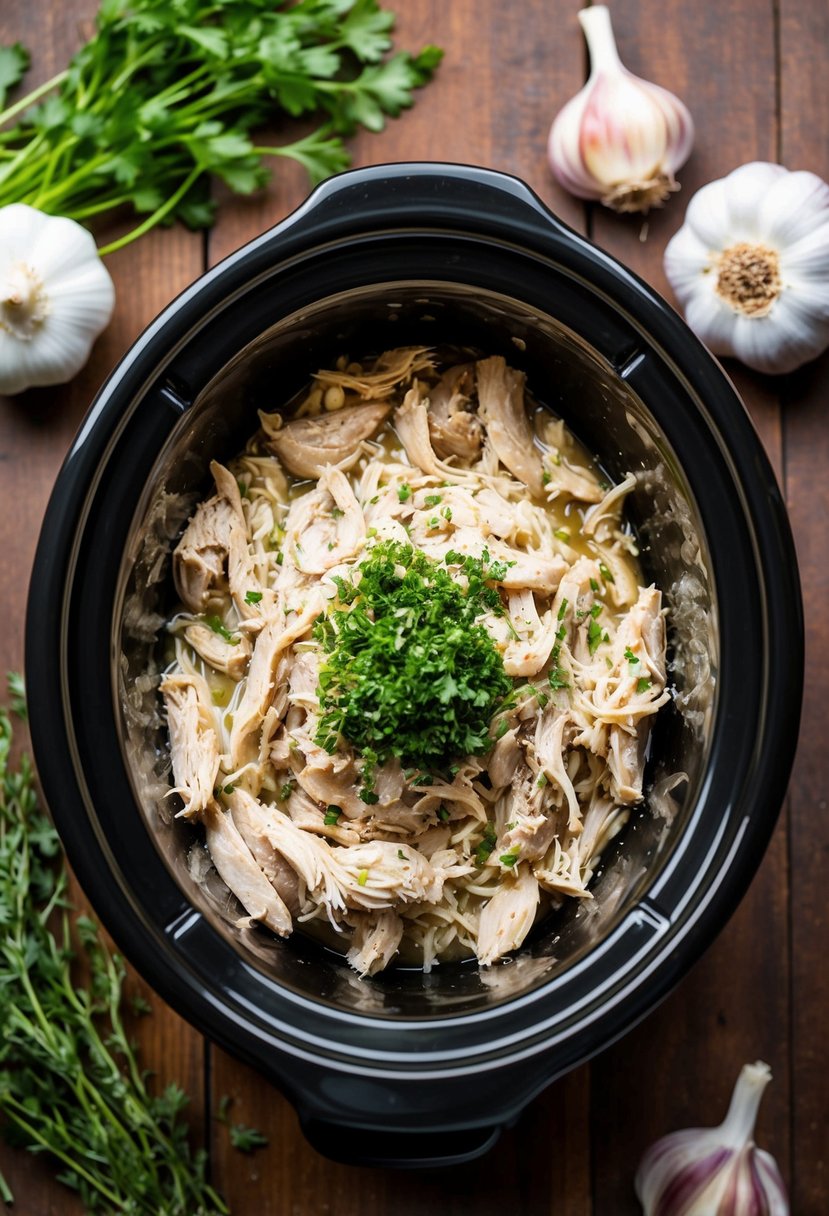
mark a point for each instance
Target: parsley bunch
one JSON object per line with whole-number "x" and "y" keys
{"x": 410, "y": 671}
{"x": 70, "y": 1084}
{"x": 167, "y": 92}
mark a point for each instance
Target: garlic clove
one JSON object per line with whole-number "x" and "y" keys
{"x": 708, "y": 216}
{"x": 808, "y": 258}
{"x": 621, "y": 139}
{"x": 792, "y": 207}
{"x": 742, "y": 188}
{"x": 715, "y": 1171}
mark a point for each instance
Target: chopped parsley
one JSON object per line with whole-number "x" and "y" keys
{"x": 409, "y": 671}
{"x": 487, "y": 844}
{"x": 215, "y": 623}
{"x": 401, "y": 854}
{"x": 502, "y": 728}
{"x": 545, "y": 477}
{"x": 509, "y": 859}
{"x": 332, "y": 814}
{"x": 337, "y": 512}
{"x": 595, "y": 635}
{"x": 643, "y": 684}
{"x": 594, "y": 586}
{"x": 403, "y": 493}
{"x": 542, "y": 780}
{"x": 253, "y": 597}
{"x": 287, "y": 790}
{"x": 630, "y": 656}
{"x": 432, "y": 500}
{"x": 447, "y": 514}
{"x": 596, "y": 610}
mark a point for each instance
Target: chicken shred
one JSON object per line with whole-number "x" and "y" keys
{"x": 456, "y": 460}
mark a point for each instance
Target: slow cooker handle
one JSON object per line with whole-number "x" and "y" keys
{"x": 412, "y": 1149}
{"x": 424, "y": 194}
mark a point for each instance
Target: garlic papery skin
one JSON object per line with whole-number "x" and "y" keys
{"x": 750, "y": 266}
{"x": 620, "y": 140}
{"x": 55, "y": 298}
{"x": 715, "y": 1171}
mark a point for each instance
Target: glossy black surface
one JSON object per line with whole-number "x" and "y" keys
{"x": 366, "y": 263}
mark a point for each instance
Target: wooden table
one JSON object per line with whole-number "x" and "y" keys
{"x": 754, "y": 74}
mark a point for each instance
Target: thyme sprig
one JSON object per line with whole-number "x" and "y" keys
{"x": 70, "y": 1083}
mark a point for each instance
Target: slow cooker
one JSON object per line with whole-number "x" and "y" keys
{"x": 409, "y": 1068}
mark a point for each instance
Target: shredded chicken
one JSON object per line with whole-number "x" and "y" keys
{"x": 307, "y": 446}
{"x": 502, "y": 410}
{"x": 303, "y": 826}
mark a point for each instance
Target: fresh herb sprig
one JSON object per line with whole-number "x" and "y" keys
{"x": 70, "y": 1083}
{"x": 410, "y": 671}
{"x": 164, "y": 95}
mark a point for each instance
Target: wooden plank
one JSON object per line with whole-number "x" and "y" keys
{"x": 491, "y": 104}
{"x": 697, "y": 1041}
{"x": 36, "y": 429}
{"x": 804, "y": 33}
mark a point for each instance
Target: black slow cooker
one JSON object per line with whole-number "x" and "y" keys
{"x": 410, "y": 1068}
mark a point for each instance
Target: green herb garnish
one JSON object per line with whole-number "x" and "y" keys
{"x": 630, "y": 656}
{"x": 253, "y": 597}
{"x": 215, "y": 623}
{"x": 643, "y": 684}
{"x": 486, "y": 846}
{"x": 594, "y": 636}
{"x": 287, "y": 790}
{"x": 509, "y": 859}
{"x": 432, "y": 500}
{"x": 165, "y": 96}
{"x": 409, "y": 671}
{"x": 594, "y": 586}
{"x": 605, "y": 573}
{"x": 332, "y": 814}
{"x": 562, "y": 534}
{"x": 403, "y": 493}
{"x": 362, "y": 878}
{"x": 72, "y": 1089}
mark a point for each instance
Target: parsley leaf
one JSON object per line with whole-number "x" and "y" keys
{"x": 165, "y": 96}
{"x": 410, "y": 671}
{"x": 14, "y": 63}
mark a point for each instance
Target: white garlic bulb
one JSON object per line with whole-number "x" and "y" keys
{"x": 715, "y": 1171}
{"x": 750, "y": 266}
{"x": 621, "y": 139}
{"x": 55, "y": 298}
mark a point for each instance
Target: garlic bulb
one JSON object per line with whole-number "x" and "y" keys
{"x": 55, "y": 298}
{"x": 715, "y": 1171}
{"x": 750, "y": 266}
{"x": 620, "y": 139}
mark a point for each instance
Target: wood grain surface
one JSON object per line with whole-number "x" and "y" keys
{"x": 754, "y": 74}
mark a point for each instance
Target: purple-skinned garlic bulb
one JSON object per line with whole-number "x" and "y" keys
{"x": 715, "y": 1171}
{"x": 621, "y": 139}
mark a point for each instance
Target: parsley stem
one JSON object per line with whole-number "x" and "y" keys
{"x": 156, "y": 217}
{"x": 25, "y": 102}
